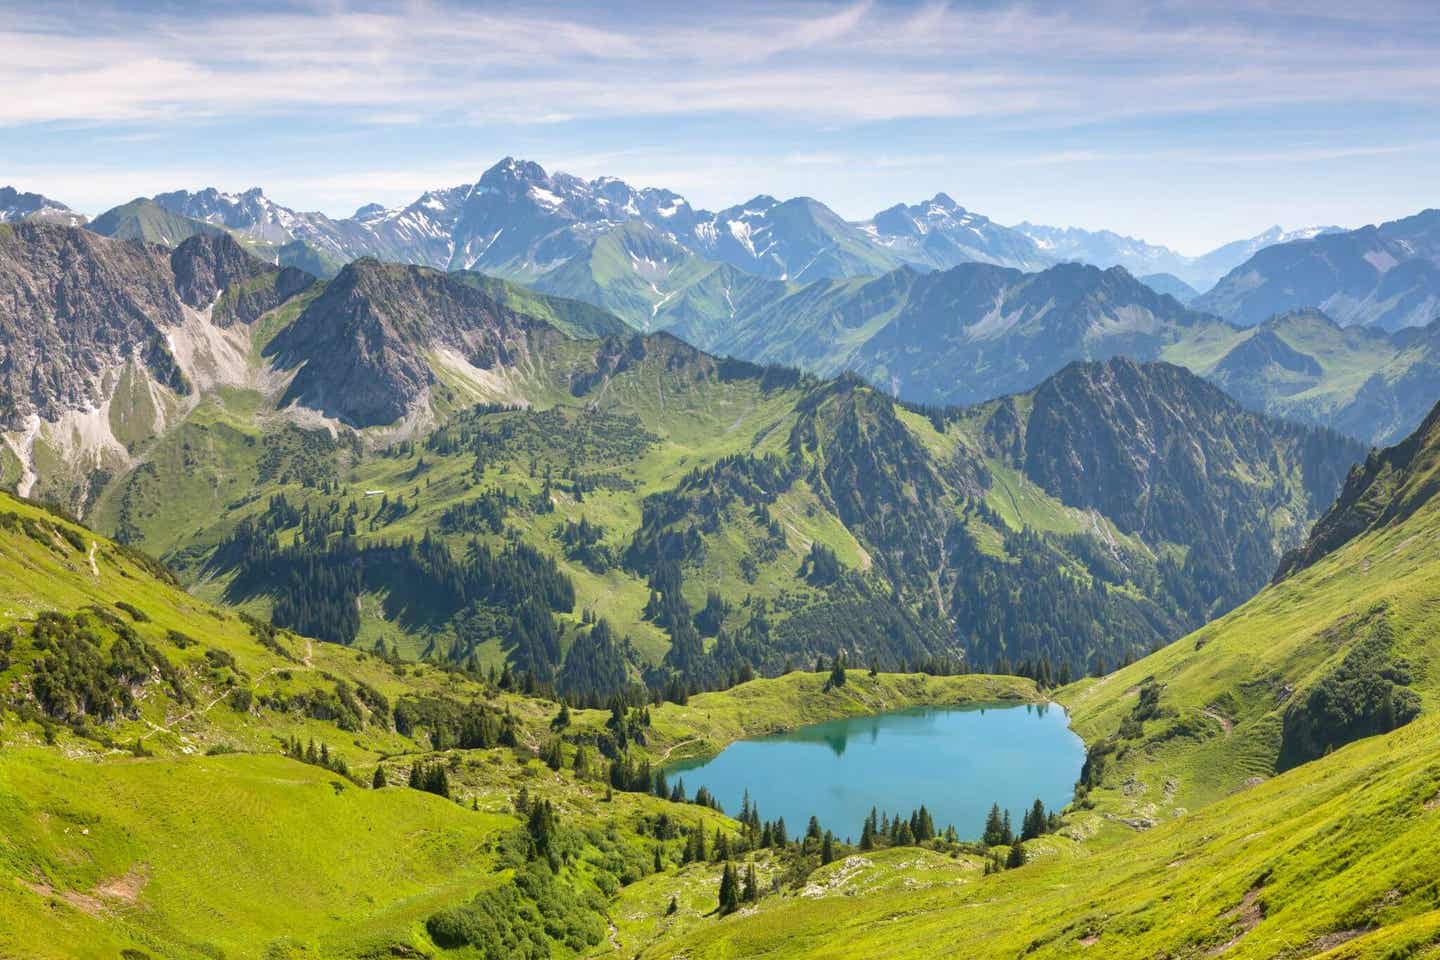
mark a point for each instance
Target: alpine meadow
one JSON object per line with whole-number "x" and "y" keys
{"x": 433, "y": 553}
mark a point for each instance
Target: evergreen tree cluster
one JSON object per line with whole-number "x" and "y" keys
{"x": 450, "y": 723}
{"x": 881, "y": 830}
{"x": 584, "y": 543}
{"x": 998, "y": 832}
{"x": 1030, "y": 609}
{"x": 483, "y": 513}
{"x": 74, "y": 678}
{"x": 429, "y": 777}
{"x": 320, "y": 756}
{"x": 596, "y": 666}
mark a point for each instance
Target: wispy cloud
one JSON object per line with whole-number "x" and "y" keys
{"x": 1104, "y": 112}
{"x": 859, "y": 62}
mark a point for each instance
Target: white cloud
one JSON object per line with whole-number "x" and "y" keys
{"x": 852, "y": 63}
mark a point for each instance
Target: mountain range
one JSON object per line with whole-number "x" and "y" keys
{"x": 915, "y": 298}
{"x": 16, "y": 207}
{"x": 1385, "y": 276}
{"x": 1105, "y": 248}
{"x": 191, "y": 400}
{"x": 365, "y": 611}
{"x": 519, "y": 221}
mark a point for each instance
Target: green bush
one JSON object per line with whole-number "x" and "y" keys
{"x": 1363, "y": 696}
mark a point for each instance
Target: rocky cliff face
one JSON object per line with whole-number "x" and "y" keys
{"x": 205, "y": 267}
{"x": 363, "y": 348}
{"x": 1388, "y": 487}
{"x": 104, "y": 343}
{"x": 77, "y": 306}
{"x": 1169, "y": 457}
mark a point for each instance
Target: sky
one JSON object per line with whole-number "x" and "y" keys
{"x": 1187, "y": 124}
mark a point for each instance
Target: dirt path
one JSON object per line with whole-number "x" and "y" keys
{"x": 676, "y": 746}
{"x": 169, "y": 726}
{"x": 1225, "y": 722}
{"x": 94, "y": 567}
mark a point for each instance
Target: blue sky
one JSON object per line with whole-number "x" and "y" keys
{"x": 1187, "y": 124}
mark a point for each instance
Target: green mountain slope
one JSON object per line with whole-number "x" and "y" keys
{"x": 146, "y": 220}
{"x": 1261, "y": 788}
{"x": 153, "y": 804}
{"x": 975, "y": 331}
{"x": 1303, "y": 366}
{"x": 428, "y": 461}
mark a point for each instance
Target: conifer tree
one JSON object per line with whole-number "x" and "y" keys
{"x": 378, "y": 781}
{"x": 729, "y": 891}
{"x": 994, "y": 834}
{"x": 542, "y": 828}
{"x": 1034, "y": 823}
{"x": 751, "y": 891}
{"x": 827, "y": 848}
{"x": 553, "y": 754}
{"x": 722, "y": 846}
{"x": 1017, "y": 855}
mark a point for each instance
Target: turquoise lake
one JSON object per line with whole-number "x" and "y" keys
{"x": 956, "y": 761}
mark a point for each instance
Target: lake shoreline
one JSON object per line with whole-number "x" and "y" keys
{"x": 710, "y": 722}
{"x": 957, "y": 758}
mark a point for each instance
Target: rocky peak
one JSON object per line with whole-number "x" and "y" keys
{"x": 363, "y": 347}
{"x": 209, "y": 265}
{"x": 80, "y": 305}
{"x": 514, "y": 176}
{"x": 1389, "y": 486}
{"x": 16, "y": 206}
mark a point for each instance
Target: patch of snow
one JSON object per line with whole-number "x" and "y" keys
{"x": 740, "y": 230}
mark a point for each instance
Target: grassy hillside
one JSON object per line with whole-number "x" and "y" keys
{"x": 639, "y": 453}
{"x": 1226, "y": 809}
{"x": 1305, "y": 367}
{"x": 162, "y": 815}
{"x": 146, "y": 220}
{"x": 1256, "y": 789}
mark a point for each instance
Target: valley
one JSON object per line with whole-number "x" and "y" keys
{"x": 498, "y": 470}
{"x": 543, "y": 567}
